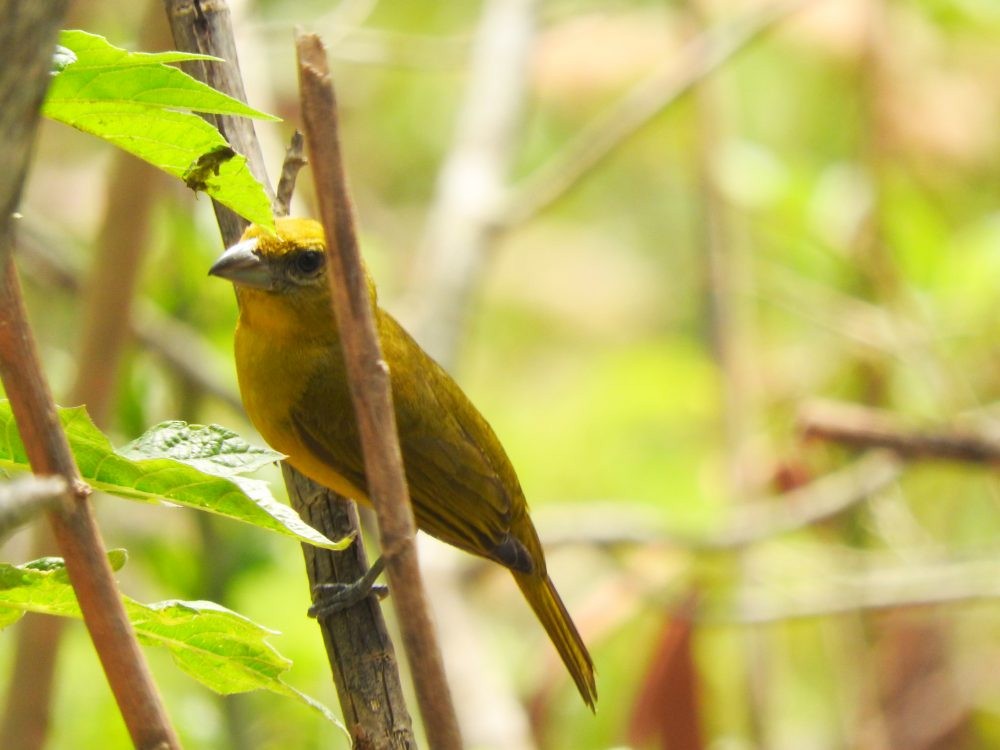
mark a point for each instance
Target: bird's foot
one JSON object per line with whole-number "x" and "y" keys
{"x": 330, "y": 598}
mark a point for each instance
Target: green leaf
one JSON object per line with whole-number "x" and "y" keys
{"x": 196, "y": 482}
{"x": 223, "y": 650}
{"x": 144, "y": 106}
{"x": 211, "y": 448}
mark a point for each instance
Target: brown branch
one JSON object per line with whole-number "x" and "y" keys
{"x": 205, "y": 27}
{"x": 106, "y": 309}
{"x": 294, "y": 161}
{"x": 368, "y": 378}
{"x": 663, "y": 88}
{"x": 863, "y": 427}
{"x": 359, "y": 630}
{"x": 361, "y": 655}
{"x": 26, "y": 43}
{"x": 74, "y": 527}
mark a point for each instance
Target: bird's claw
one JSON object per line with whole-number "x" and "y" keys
{"x": 330, "y": 598}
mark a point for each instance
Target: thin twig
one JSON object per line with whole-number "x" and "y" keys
{"x": 106, "y": 308}
{"x": 451, "y": 257}
{"x": 863, "y": 427}
{"x": 75, "y": 528}
{"x": 368, "y": 378}
{"x": 206, "y": 28}
{"x": 662, "y": 88}
{"x": 294, "y": 161}
{"x": 384, "y": 723}
{"x": 358, "y": 647}
{"x": 23, "y": 499}
{"x": 26, "y": 41}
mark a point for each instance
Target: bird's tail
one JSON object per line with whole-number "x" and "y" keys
{"x": 548, "y": 607}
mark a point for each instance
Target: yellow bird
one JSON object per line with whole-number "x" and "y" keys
{"x": 294, "y": 386}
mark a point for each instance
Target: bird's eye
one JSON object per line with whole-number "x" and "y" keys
{"x": 309, "y": 262}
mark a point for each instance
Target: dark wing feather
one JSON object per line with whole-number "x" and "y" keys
{"x": 462, "y": 485}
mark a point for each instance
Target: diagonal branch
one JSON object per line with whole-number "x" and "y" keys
{"x": 368, "y": 378}
{"x": 26, "y": 42}
{"x": 356, "y": 639}
{"x": 864, "y": 427}
{"x": 663, "y": 87}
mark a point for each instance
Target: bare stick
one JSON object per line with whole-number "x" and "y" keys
{"x": 74, "y": 527}
{"x": 358, "y": 629}
{"x": 26, "y": 43}
{"x": 824, "y": 498}
{"x": 368, "y": 378}
{"x": 294, "y": 161}
{"x": 106, "y": 308}
{"x": 662, "y": 88}
{"x": 358, "y": 647}
{"x": 863, "y": 427}
{"x": 205, "y": 27}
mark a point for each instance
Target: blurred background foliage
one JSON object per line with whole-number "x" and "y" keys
{"x": 817, "y": 218}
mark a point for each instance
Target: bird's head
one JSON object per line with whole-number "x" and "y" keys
{"x": 291, "y": 262}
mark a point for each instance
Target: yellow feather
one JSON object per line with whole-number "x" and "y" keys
{"x": 293, "y": 382}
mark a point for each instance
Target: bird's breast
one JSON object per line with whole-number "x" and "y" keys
{"x": 274, "y": 374}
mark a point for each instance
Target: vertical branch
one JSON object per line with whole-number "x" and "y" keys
{"x": 206, "y": 28}
{"x": 107, "y": 317}
{"x": 376, "y": 715}
{"x": 107, "y": 313}
{"x": 358, "y": 647}
{"x": 368, "y": 378}
{"x": 458, "y": 241}
{"x": 26, "y": 43}
{"x": 472, "y": 186}
{"x": 663, "y": 87}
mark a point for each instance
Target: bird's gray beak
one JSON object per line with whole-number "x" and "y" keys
{"x": 242, "y": 264}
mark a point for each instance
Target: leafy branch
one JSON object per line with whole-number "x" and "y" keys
{"x": 142, "y": 104}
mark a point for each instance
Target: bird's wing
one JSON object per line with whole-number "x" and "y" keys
{"x": 323, "y": 420}
{"x": 463, "y": 487}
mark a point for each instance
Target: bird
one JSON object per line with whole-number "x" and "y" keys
{"x": 293, "y": 383}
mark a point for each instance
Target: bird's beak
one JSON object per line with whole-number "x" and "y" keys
{"x": 242, "y": 264}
